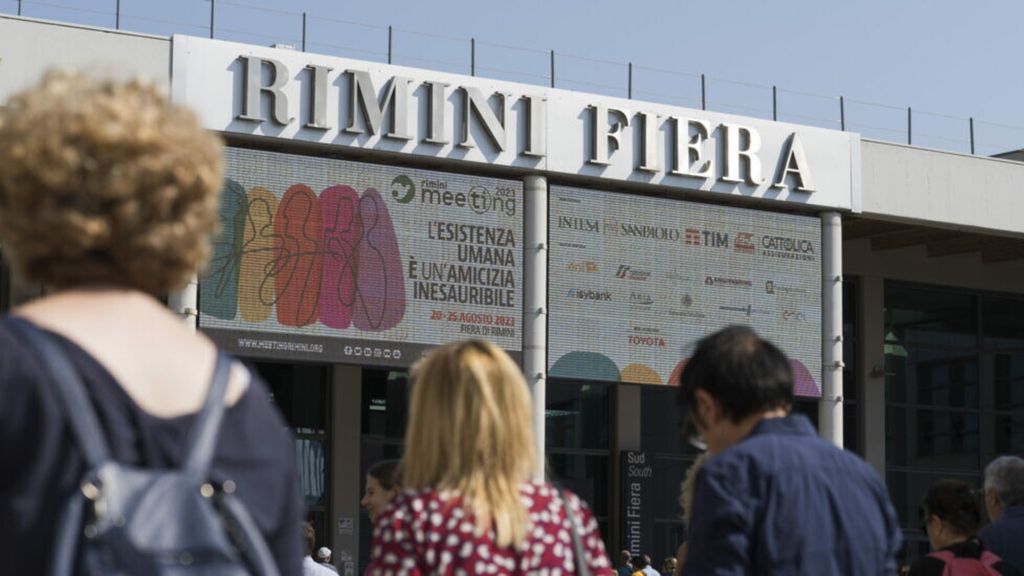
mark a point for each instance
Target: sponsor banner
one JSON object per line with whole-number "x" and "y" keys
{"x": 337, "y": 261}
{"x": 636, "y": 281}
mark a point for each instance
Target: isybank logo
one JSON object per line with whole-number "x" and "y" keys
{"x": 479, "y": 199}
{"x": 587, "y": 294}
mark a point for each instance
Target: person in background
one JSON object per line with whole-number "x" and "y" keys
{"x": 773, "y": 497}
{"x": 323, "y": 557}
{"x": 1004, "y": 502}
{"x": 108, "y": 198}
{"x": 642, "y": 566}
{"x": 668, "y": 566}
{"x": 686, "y": 502}
{"x": 311, "y": 567}
{"x": 951, "y": 515}
{"x": 470, "y": 504}
{"x": 382, "y": 485}
{"x": 625, "y": 564}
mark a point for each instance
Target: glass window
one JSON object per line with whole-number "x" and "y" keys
{"x": 1009, "y": 381}
{"x": 578, "y": 415}
{"x": 938, "y": 318}
{"x": 1001, "y": 318}
{"x": 938, "y": 439}
{"x": 1010, "y": 432}
{"x": 588, "y": 476}
{"x": 933, "y": 377}
{"x": 385, "y": 403}
{"x": 662, "y": 431}
{"x": 5, "y": 284}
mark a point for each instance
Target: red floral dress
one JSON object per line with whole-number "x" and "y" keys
{"x": 428, "y": 532}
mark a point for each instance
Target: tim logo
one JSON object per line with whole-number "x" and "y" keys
{"x": 692, "y": 236}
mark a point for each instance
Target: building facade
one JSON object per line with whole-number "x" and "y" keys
{"x": 373, "y": 211}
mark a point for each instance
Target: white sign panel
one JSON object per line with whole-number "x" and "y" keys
{"x": 634, "y": 282}
{"x": 328, "y": 260}
{"x": 292, "y": 95}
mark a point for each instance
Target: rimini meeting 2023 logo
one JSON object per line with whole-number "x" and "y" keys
{"x": 480, "y": 199}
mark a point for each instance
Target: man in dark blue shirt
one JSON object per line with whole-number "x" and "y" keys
{"x": 1004, "y": 500}
{"x": 774, "y": 498}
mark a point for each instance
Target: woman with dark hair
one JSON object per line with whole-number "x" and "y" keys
{"x": 382, "y": 485}
{"x": 951, "y": 516}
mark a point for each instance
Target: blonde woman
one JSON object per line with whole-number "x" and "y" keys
{"x": 469, "y": 504}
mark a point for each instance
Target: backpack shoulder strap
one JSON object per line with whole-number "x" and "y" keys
{"x": 71, "y": 395}
{"x": 990, "y": 559}
{"x": 203, "y": 436}
{"x": 944, "y": 555}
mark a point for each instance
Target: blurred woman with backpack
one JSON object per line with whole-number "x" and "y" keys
{"x": 951, "y": 516}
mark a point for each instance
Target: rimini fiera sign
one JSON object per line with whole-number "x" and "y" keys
{"x": 292, "y": 95}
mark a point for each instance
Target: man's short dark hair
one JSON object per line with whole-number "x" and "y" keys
{"x": 745, "y": 373}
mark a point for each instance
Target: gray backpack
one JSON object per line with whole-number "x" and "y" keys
{"x": 125, "y": 520}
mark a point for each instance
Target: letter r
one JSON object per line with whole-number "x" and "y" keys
{"x": 254, "y": 88}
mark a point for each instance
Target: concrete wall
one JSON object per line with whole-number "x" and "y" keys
{"x": 29, "y": 47}
{"x": 942, "y": 188}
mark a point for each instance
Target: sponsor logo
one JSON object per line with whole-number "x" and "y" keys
{"x": 797, "y": 315}
{"x": 581, "y": 224}
{"x": 744, "y": 243}
{"x": 646, "y": 341}
{"x": 584, "y": 294}
{"x": 786, "y": 247}
{"x": 747, "y": 310}
{"x": 640, "y": 299}
{"x": 634, "y": 230}
{"x": 687, "y": 311}
{"x": 479, "y": 199}
{"x": 712, "y": 238}
{"x": 727, "y": 282}
{"x": 772, "y": 287}
{"x": 626, "y": 272}
{"x": 586, "y": 266}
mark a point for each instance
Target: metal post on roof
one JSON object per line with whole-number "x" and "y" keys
{"x": 910, "y": 140}
{"x": 703, "y": 94}
{"x": 19, "y": 7}
{"x": 390, "y": 36}
{"x": 630, "y": 90}
{"x": 213, "y": 7}
{"x": 117, "y": 16}
{"x": 775, "y": 104}
{"x": 971, "y": 119}
{"x": 842, "y": 114}
{"x": 552, "y": 68}
{"x": 303, "y": 31}
{"x": 472, "y": 56}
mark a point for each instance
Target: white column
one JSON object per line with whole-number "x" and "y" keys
{"x": 184, "y": 303}
{"x": 830, "y": 408}
{"x": 535, "y": 314}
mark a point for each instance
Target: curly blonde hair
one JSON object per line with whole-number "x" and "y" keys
{"x": 106, "y": 183}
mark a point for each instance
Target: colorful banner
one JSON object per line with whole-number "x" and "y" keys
{"x": 635, "y": 281}
{"x": 328, "y": 260}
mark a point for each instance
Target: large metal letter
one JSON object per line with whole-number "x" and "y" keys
{"x": 495, "y": 129}
{"x": 536, "y": 126}
{"x": 795, "y": 163}
{"x": 733, "y": 154}
{"x": 251, "y": 109}
{"x": 364, "y": 99}
{"x": 603, "y": 137}
{"x": 650, "y": 160}
{"x": 318, "y": 98}
{"x": 694, "y": 147}
{"x": 435, "y": 129}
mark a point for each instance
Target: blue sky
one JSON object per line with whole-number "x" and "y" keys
{"x": 947, "y": 60}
